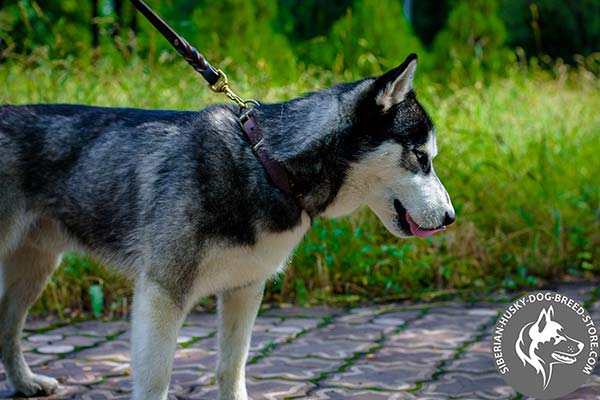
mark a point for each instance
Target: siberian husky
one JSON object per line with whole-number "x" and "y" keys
{"x": 180, "y": 201}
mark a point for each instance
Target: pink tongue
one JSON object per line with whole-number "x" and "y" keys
{"x": 421, "y": 232}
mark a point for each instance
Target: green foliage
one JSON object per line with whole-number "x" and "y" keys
{"x": 472, "y": 42}
{"x": 302, "y": 20}
{"x": 429, "y": 17}
{"x": 553, "y": 27}
{"x": 57, "y": 25}
{"x": 239, "y": 30}
{"x": 81, "y": 284}
{"x": 371, "y": 36}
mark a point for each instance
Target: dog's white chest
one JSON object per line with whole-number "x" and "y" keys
{"x": 226, "y": 267}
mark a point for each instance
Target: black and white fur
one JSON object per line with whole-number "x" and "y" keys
{"x": 178, "y": 201}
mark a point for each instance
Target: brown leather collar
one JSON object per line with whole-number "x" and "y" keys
{"x": 275, "y": 169}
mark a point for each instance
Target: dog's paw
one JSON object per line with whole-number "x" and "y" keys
{"x": 36, "y": 385}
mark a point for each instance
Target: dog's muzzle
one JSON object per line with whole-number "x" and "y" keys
{"x": 409, "y": 226}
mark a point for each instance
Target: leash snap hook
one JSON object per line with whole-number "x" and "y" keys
{"x": 222, "y": 83}
{"x": 222, "y": 86}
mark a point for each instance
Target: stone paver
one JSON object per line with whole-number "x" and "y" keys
{"x": 464, "y": 385}
{"x": 391, "y": 351}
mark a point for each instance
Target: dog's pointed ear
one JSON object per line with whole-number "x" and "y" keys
{"x": 544, "y": 318}
{"x": 393, "y": 86}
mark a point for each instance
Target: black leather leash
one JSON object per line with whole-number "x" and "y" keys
{"x": 217, "y": 80}
{"x": 191, "y": 55}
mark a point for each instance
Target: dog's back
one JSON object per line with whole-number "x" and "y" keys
{"x": 66, "y": 161}
{"x": 114, "y": 177}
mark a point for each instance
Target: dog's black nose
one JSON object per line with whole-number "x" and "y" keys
{"x": 449, "y": 218}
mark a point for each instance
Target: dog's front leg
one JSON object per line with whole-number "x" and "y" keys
{"x": 156, "y": 322}
{"x": 237, "y": 312}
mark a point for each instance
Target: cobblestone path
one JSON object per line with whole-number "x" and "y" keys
{"x": 394, "y": 351}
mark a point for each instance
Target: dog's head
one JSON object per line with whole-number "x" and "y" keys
{"x": 393, "y": 172}
{"x": 544, "y": 343}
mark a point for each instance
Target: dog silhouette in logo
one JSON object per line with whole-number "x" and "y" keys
{"x": 543, "y": 343}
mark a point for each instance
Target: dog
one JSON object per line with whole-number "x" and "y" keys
{"x": 543, "y": 344}
{"x": 180, "y": 202}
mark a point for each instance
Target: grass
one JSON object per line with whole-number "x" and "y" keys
{"x": 518, "y": 156}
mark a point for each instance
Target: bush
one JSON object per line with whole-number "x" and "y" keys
{"x": 303, "y": 20}
{"x": 472, "y": 43}
{"x": 428, "y": 18}
{"x": 241, "y": 34}
{"x": 371, "y": 37}
{"x": 556, "y": 28}
{"x": 57, "y": 25}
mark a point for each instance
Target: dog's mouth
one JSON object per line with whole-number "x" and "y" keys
{"x": 563, "y": 358}
{"x": 409, "y": 226}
